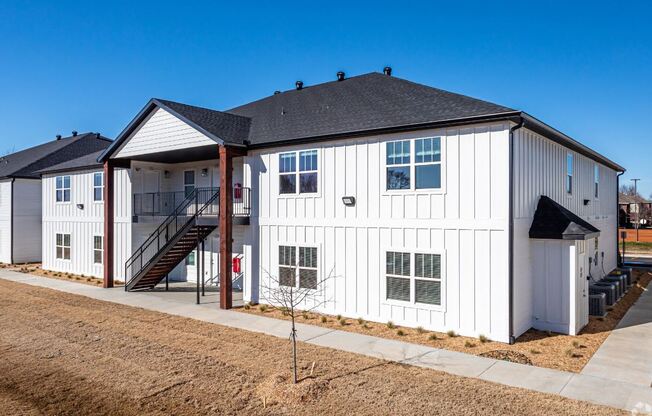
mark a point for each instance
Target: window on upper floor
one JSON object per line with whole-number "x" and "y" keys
{"x": 98, "y": 186}
{"x": 62, "y": 246}
{"x": 301, "y": 272}
{"x": 304, "y": 175}
{"x": 413, "y": 164}
{"x": 188, "y": 182}
{"x": 596, "y": 181}
{"x": 569, "y": 173}
{"x": 62, "y": 185}
{"x": 413, "y": 277}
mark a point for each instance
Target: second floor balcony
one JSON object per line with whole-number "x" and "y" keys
{"x": 163, "y": 204}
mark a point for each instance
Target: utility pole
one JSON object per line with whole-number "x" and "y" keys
{"x": 638, "y": 207}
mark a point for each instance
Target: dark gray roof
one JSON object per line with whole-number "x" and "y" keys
{"x": 553, "y": 221}
{"x": 29, "y": 162}
{"x": 228, "y": 127}
{"x": 366, "y": 102}
{"x": 84, "y": 162}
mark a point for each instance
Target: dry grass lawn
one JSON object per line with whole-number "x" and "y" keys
{"x": 67, "y": 354}
{"x": 37, "y": 270}
{"x": 551, "y": 350}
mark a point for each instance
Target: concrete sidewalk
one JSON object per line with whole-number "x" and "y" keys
{"x": 599, "y": 389}
{"x": 626, "y": 354}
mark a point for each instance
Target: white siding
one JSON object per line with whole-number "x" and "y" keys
{"x": 468, "y": 221}
{"x": 27, "y": 220}
{"x": 162, "y": 132}
{"x": 84, "y": 224}
{"x": 5, "y": 221}
{"x": 540, "y": 169}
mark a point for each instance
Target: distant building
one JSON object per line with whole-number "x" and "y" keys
{"x": 629, "y": 205}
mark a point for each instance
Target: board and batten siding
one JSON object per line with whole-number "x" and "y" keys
{"x": 5, "y": 220}
{"x": 540, "y": 169}
{"x": 162, "y": 132}
{"x": 27, "y": 220}
{"x": 467, "y": 222}
{"x": 84, "y": 223}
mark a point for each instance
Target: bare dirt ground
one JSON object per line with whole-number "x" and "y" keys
{"x": 543, "y": 349}
{"x": 67, "y": 354}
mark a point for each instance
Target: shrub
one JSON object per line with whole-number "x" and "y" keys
{"x": 247, "y": 306}
{"x": 576, "y": 344}
{"x": 432, "y": 337}
{"x": 366, "y": 326}
{"x": 390, "y": 325}
{"x": 342, "y": 322}
{"x": 420, "y": 330}
{"x": 360, "y": 321}
{"x": 339, "y": 317}
{"x": 469, "y": 344}
{"x": 305, "y": 315}
{"x": 570, "y": 353}
{"x": 483, "y": 339}
{"x": 262, "y": 308}
{"x": 400, "y": 332}
{"x": 324, "y": 319}
{"x": 451, "y": 334}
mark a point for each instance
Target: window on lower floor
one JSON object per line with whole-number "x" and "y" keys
{"x": 98, "y": 251}
{"x": 190, "y": 260}
{"x": 63, "y": 246}
{"x": 413, "y": 277}
{"x": 301, "y": 272}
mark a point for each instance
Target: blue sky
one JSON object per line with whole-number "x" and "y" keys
{"x": 584, "y": 67}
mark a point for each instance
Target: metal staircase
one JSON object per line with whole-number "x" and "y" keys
{"x": 191, "y": 222}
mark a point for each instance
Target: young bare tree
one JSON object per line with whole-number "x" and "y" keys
{"x": 295, "y": 287}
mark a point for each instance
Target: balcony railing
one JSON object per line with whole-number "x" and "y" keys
{"x": 155, "y": 204}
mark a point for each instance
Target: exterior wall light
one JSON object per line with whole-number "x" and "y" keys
{"x": 349, "y": 201}
{"x": 204, "y": 172}
{"x": 80, "y": 206}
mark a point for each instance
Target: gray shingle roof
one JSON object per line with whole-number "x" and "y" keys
{"x": 83, "y": 162}
{"x": 228, "y": 127}
{"x": 29, "y": 162}
{"x": 365, "y": 102}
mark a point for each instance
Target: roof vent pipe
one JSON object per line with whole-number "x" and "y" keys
{"x": 299, "y": 85}
{"x": 277, "y": 92}
{"x": 387, "y": 71}
{"x": 58, "y": 137}
{"x": 340, "y": 76}
{"x": 74, "y": 133}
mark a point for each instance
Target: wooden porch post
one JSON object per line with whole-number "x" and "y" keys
{"x": 108, "y": 224}
{"x": 226, "y": 226}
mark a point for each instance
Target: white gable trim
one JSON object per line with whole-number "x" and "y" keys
{"x": 161, "y": 131}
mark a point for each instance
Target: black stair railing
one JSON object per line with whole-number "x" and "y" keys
{"x": 202, "y": 201}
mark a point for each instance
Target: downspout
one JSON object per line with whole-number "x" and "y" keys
{"x": 11, "y": 223}
{"x": 512, "y": 339}
{"x": 620, "y": 263}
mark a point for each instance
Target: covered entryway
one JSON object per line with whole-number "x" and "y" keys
{"x": 561, "y": 268}
{"x": 185, "y": 215}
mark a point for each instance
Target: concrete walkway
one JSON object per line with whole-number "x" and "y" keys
{"x": 599, "y": 389}
{"x": 626, "y": 354}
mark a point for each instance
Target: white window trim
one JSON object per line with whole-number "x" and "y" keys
{"x": 413, "y": 278}
{"x": 63, "y": 189}
{"x": 101, "y": 201}
{"x": 194, "y": 180}
{"x": 62, "y": 246}
{"x": 298, "y": 194}
{"x": 101, "y": 263}
{"x": 413, "y": 190}
{"x": 318, "y": 290}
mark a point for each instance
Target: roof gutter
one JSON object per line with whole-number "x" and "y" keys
{"x": 512, "y": 129}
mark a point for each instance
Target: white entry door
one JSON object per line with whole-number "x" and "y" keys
{"x": 582, "y": 287}
{"x": 151, "y": 187}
